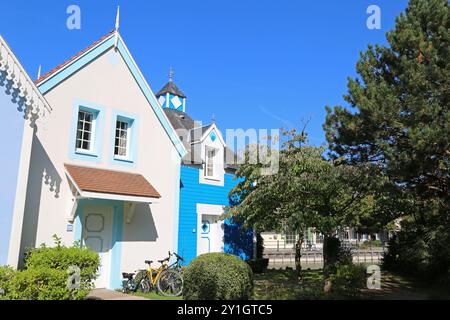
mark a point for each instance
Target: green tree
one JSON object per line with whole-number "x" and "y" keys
{"x": 308, "y": 191}
{"x": 399, "y": 117}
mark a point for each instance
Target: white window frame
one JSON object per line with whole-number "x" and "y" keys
{"x": 214, "y": 165}
{"x": 93, "y": 132}
{"x": 129, "y": 123}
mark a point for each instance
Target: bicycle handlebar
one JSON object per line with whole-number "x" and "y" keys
{"x": 176, "y": 255}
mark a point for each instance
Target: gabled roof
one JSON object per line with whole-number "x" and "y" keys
{"x": 172, "y": 88}
{"x": 111, "y": 182}
{"x": 195, "y": 132}
{"x": 57, "y": 75}
{"x": 65, "y": 63}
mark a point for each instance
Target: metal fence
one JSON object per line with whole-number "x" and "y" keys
{"x": 314, "y": 257}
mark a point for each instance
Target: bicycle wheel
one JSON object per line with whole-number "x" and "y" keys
{"x": 170, "y": 283}
{"x": 144, "y": 285}
{"x": 126, "y": 286}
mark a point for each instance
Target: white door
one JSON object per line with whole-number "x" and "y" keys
{"x": 97, "y": 233}
{"x": 211, "y": 234}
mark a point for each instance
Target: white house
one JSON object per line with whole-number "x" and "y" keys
{"x": 22, "y": 107}
{"x": 104, "y": 168}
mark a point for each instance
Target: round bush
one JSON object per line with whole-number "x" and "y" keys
{"x": 218, "y": 276}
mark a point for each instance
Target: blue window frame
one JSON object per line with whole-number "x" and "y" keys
{"x": 86, "y": 132}
{"x": 124, "y": 139}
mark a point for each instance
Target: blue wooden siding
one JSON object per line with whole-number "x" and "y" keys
{"x": 191, "y": 193}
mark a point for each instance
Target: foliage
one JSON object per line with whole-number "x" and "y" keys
{"x": 259, "y": 246}
{"x": 218, "y": 276}
{"x": 47, "y": 274}
{"x": 308, "y": 191}
{"x": 336, "y": 254}
{"x": 402, "y": 98}
{"x": 370, "y": 243}
{"x": 417, "y": 251}
{"x": 400, "y": 119}
{"x": 349, "y": 279}
{"x": 61, "y": 258}
{"x": 6, "y": 274}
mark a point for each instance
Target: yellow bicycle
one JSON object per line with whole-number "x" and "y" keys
{"x": 166, "y": 279}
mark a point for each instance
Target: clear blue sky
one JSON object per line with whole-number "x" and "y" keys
{"x": 251, "y": 63}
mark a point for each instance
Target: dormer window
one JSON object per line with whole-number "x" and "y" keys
{"x": 210, "y": 162}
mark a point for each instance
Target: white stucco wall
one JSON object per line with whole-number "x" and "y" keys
{"x": 9, "y": 161}
{"x": 106, "y": 82}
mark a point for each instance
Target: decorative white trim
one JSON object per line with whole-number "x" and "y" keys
{"x": 205, "y": 209}
{"x": 218, "y": 134}
{"x": 211, "y": 209}
{"x": 36, "y": 105}
{"x": 118, "y": 197}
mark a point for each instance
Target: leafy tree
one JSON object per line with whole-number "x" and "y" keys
{"x": 399, "y": 117}
{"x": 308, "y": 191}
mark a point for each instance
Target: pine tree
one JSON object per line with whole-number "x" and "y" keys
{"x": 399, "y": 117}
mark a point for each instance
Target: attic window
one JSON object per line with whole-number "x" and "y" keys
{"x": 210, "y": 162}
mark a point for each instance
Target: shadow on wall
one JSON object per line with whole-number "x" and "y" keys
{"x": 142, "y": 227}
{"x": 41, "y": 171}
{"x": 238, "y": 241}
{"x": 15, "y": 98}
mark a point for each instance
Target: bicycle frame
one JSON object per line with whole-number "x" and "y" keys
{"x": 157, "y": 272}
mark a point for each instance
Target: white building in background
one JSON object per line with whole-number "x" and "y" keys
{"x": 312, "y": 240}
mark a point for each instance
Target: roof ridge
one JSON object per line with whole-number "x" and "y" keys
{"x": 65, "y": 63}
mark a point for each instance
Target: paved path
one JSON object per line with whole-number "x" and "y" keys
{"x": 105, "y": 294}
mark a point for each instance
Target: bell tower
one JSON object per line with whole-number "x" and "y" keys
{"x": 170, "y": 96}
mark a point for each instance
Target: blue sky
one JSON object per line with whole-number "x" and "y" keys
{"x": 251, "y": 64}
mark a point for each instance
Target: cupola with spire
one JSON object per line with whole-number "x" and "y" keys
{"x": 170, "y": 96}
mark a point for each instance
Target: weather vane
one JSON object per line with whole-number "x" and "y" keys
{"x": 171, "y": 74}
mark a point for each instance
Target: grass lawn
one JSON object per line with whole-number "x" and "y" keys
{"x": 283, "y": 285}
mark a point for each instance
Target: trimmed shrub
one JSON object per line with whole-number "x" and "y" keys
{"x": 43, "y": 284}
{"x": 62, "y": 258}
{"x": 349, "y": 279}
{"x": 218, "y": 276}
{"x": 6, "y": 275}
{"x": 50, "y": 274}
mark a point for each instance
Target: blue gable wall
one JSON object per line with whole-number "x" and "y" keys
{"x": 12, "y": 142}
{"x": 191, "y": 193}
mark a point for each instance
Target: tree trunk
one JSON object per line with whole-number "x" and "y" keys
{"x": 298, "y": 256}
{"x": 331, "y": 246}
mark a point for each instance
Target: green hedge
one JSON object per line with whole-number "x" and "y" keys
{"x": 218, "y": 276}
{"x": 47, "y": 274}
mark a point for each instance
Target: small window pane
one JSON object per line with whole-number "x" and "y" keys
{"x": 84, "y": 130}
{"x": 121, "y": 140}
